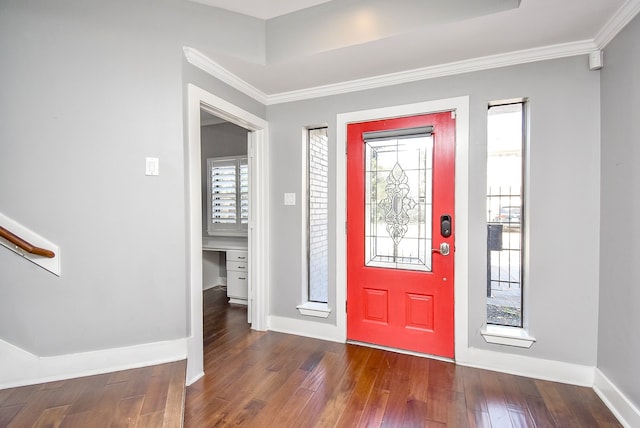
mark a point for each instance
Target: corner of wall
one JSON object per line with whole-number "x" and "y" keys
{"x": 19, "y": 367}
{"x": 620, "y": 405}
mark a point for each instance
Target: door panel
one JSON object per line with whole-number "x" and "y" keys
{"x": 400, "y": 181}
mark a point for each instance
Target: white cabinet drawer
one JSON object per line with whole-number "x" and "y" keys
{"x": 237, "y": 285}
{"x": 237, "y": 256}
{"x": 237, "y": 266}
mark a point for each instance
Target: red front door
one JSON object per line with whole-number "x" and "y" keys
{"x": 400, "y": 191}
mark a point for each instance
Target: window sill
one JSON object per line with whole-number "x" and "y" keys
{"x": 510, "y": 336}
{"x": 314, "y": 309}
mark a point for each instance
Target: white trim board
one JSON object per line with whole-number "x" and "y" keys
{"x": 53, "y": 265}
{"x": 206, "y": 64}
{"x": 315, "y": 330}
{"x": 620, "y": 405}
{"x": 441, "y": 70}
{"x": 618, "y": 21}
{"x": 258, "y": 233}
{"x": 20, "y": 367}
{"x": 537, "y": 368}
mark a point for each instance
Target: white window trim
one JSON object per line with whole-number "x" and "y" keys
{"x": 307, "y": 308}
{"x": 510, "y": 336}
{"x": 314, "y": 309}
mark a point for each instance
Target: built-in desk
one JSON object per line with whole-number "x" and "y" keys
{"x": 224, "y": 243}
{"x": 235, "y": 249}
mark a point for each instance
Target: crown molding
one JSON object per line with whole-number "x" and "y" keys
{"x": 564, "y": 50}
{"x": 459, "y": 67}
{"x": 618, "y": 21}
{"x": 206, "y": 64}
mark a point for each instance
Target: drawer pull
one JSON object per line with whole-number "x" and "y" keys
{"x": 241, "y": 277}
{"x": 241, "y": 257}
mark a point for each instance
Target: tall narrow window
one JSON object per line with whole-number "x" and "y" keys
{"x": 505, "y": 214}
{"x": 317, "y": 214}
{"x": 227, "y": 196}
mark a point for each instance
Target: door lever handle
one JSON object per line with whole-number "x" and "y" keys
{"x": 444, "y": 249}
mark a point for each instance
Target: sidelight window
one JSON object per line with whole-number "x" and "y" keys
{"x": 505, "y": 213}
{"x": 317, "y": 214}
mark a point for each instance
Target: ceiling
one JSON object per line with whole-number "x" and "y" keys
{"x": 318, "y": 43}
{"x": 263, "y": 9}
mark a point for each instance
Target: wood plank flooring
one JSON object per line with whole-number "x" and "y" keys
{"x": 259, "y": 379}
{"x": 147, "y": 397}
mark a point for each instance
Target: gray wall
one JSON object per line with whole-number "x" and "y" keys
{"x": 619, "y": 322}
{"x": 87, "y": 91}
{"x": 564, "y": 195}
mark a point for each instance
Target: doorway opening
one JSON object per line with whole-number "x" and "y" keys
{"x": 225, "y": 207}
{"x": 401, "y": 223}
{"x": 460, "y": 105}
{"x": 257, "y": 225}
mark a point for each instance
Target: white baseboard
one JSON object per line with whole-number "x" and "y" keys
{"x": 194, "y": 379}
{"x": 219, "y": 282}
{"x": 538, "y": 368}
{"x": 19, "y": 367}
{"x": 305, "y": 328}
{"x": 627, "y": 413}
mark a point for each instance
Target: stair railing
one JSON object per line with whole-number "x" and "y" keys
{"x": 24, "y": 245}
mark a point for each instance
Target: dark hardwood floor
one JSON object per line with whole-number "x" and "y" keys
{"x": 271, "y": 379}
{"x": 148, "y": 397}
{"x": 268, "y": 379}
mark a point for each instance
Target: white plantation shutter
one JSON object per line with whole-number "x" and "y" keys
{"x": 244, "y": 191}
{"x": 228, "y": 195}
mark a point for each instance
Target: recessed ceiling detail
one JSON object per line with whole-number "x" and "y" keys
{"x": 263, "y": 9}
{"x": 315, "y": 43}
{"x": 340, "y": 24}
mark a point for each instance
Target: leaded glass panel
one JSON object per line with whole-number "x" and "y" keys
{"x": 398, "y": 202}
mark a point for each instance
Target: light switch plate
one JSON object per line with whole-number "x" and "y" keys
{"x": 152, "y": 166}
{"x": 289, "y": 198}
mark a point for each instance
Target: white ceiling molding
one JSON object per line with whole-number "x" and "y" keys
{"x": 613, "y": 26}
{"x": 617, "y": 22}
{"x": 459, "y": 67}
{"x": 206, "y": 64}
{"x": 577, "y": 30}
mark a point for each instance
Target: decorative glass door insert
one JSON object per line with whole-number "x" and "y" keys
{"x": 398, "y": 199}
{"x": 400, "y": 183}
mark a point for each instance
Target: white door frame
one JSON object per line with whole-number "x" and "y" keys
{"x": 461, "y": 106}
{"x": 258, "y": 231}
